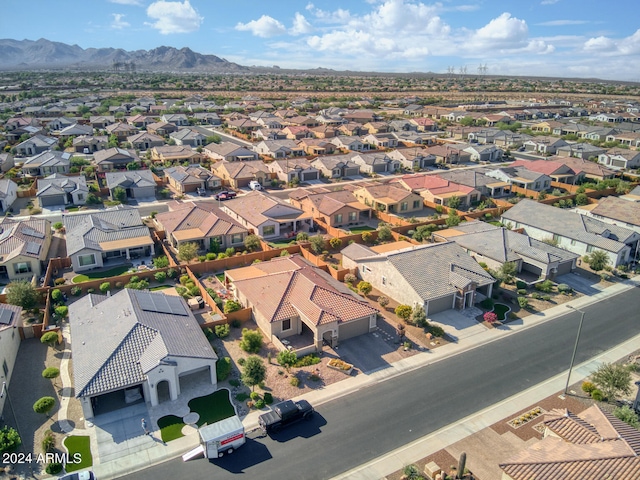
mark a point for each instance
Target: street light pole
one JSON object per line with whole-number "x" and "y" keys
{"x": 575, "y": 347}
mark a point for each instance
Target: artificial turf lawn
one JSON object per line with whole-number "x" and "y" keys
{"x": 114, "y": 272}
{"x": 170, "y": 427}
{"x": 212, "y": 408}
{"x": 363, "y": 228}
{"x": 500, "y": 310}
{"x": 78, "y": 444}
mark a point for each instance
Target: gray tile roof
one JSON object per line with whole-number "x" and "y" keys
{"x": 24, "y": 237}
{"x": 619, "y": 210}
{"x": 130, "y": 179}
{"x": 91, "y": 229}
{"x": 50, "y": 158}
{"x": 115, "y": 342}
{"x": 569, "y": 224}
{"x": 58, "y": 184}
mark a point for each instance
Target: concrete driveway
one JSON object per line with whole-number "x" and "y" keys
{"x": 585, "y": 283}
{"x": 459, "y": 324}
{"x": 366, "y": 352}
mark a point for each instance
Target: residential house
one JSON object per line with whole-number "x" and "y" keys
{"x": 207, "y": 118}
{"x": 389, "y": 198}
{"x": 521, "y": 177}
{"x": 8, "y": 194}
{"x": 134, "y": 346}
{"x": 175, "y": 153}
{"x": 20, "y": 122}
{"x": 484, "y": 153}
{"x": 574, "y": 232}
{"x": 381, "y": 140}
{"x": 496, "y": 246}
{"x": 279, "y": 148}
{"x": 616, "y": 211}
{"x": 351, "y": 129}
{"x": 412, "y": 158}
{"x": 268, "y": 216}
{"x": 593, "y": 444}
{"x": 6, "y": 162}
{"x": 60, "y": 190}
{"x": 57, "y": 124}
{"x": 189, "y": 137}
{"x": 140, "y": 121}
{"x": 239, "y": 174}
{"x": 110, "y": 236}
{"x": 35, "y": 145}
{"x": 375, "y": 128}
{"x": 424, "y": 124}
{"x": 545, "y": 145}
{"x": 620, "y": 159}
{"x": 114, "y": 159}
{"x": 190, "y": 179}
{"x": 231, "y": 152}
{"x": 337, "y": 209}
{"x": 310, "y": 306}
{"x": 46, "y": 163}
{"x": 510, "y": 140}
{"x": 294, "y": 170}
{"x": 337, "y": 166}
{"x": 243, "y": 125}
{"x": 631, "y": 139}
{"x": 268, "y": 134}
{"x": 317, "y": 146}
{"x": 100, "y": 122}
{"x": 349, "y": 144}
{"x": 144, "y": 141}
{"x": 92, "y": 143}
{"x": 376, "y": 162}
{"x": 121, "y": 130}
{"x": 202, "y": 223}
{"x": 24, "y": 245}
{"x": 447, "y": 154}
{"x": 178, "y": 119}
{"x": 437, "y": 277}
{"x": 589, "y": 169}
{"x": 22, "y": 133}
{"x": 361, "y": 116}
{"x": 297, "y": 132}
{"x": 586, "y": 151}
{"x": 324, "y": 131}
{"x": 74, "y": 131}
{"x": 438, "y": 190}
{"x": 10, "y": 320}
{"x": 162, "y": 129}
{"x": 557, "y": 170}
{"x": 136, "y": 183}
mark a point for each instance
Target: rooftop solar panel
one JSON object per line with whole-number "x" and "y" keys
{"x": 33, "y": 248}
{"x": 32, "y": 233}
{"x": 5, "y": 316}
{"x": 161, "y": 303}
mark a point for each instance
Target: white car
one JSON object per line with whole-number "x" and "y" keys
{"x": 255, "y": 185}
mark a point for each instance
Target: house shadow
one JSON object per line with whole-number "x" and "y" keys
{"x": 305, "y": 428}
{"x": 365, "y": 352}
{"x": 252, "y": 453}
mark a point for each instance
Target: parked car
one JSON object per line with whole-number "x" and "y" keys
{"x": 85, "y": 475}
{"x": 225, "y": 195}
{"x": 255, "y": 185}
{"x": 285, "y": 413}
{"x": 202, "y": 191}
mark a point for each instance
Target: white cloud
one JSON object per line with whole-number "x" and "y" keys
{"x": 300, "y": 25}
{"x": 339, "y": 16}
{"x": 505, "y": 30}
{"x": 625, "y": 46}
{"x": 549, "y": 2}
{"x": 174, "y": 17}
{"x": 600, "y": 44}
{"x": 265, "y": 27}
{"x": 562, "y": 23}
{"x": 118, "y": 22}
{"x": 127, "y": 2}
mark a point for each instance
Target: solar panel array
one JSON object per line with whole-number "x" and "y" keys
{"x": 33, "y": 248}
{"x": 161, "y": 303}
{"x": 6, "y": 316}
{"x": 32, "y": 233}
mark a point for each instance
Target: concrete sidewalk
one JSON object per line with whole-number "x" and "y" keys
{"x": 396, "y": 460}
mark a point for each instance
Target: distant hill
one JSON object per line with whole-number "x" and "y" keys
{"x": 43, "y": 54}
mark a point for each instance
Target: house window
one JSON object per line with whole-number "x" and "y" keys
{"x": 573, "y": 242}
{"x": 590, "y": 248}
{"x": 337, "y": 218}
{"x": 404, "y": 206}
{"x": 353, "y": 216}
{"x": 416, "y": 204}
{"x": 556, "y": 238}
{"x": 269, "y": 230}
{"x": 89, "y": 259}
{"x": 236, "y": 238}
{"x": 22, "y": 267}
{"x": 81, "y": 196}
{"x": 286, "y": 324}
{"x": 537, "y": 186}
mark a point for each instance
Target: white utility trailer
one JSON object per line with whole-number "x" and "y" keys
{"x": 222, "y": 437}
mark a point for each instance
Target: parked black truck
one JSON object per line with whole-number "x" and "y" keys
{"x": 285, "y": 413}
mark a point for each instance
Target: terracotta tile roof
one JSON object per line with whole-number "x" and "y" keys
{"x": 548, "y": 167}
{"x": 257, "y": 207}
{"x": 435, "y": 184}
{"x": 387, "y": 192}
{"x": 205, "y": 219}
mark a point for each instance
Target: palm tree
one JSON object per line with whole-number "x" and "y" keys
{"x": 598, "y": 260}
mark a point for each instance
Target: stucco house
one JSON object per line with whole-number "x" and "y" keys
{"x": 291, "y": 299}
{"x": 175, "y": 153}
{"x": 438, "y": 190}
{"x": 412, "y": 158}
{"x": 294, "y": 168}
{"x": 389, "y": 198}
{"x": 437, "y": 277}
{"x": 620, "y": 158}
{"x": 337, "y": 166}
{"x": 24, "y": 246}
{"x": 144, "y": 141}
{"x": 231, "y": 152}
{"x": 35, "y": 145}
{"x": 91, "y": 142}
{"x": 8, "y": 193}
{"x": 136, "y": 346}
{"x": 137, "y": 183}
{"x": 111, "y": 236}
{"x": 114, "y": 159}
{"x": 484, "y": 153}
{"x": 376, "y": 162}
{"x": 337, "y": 209}
{"x": 189, "y": 137}
{"x": 191, "y": 178}
{"x": 239, "y": 174}
{"x": 521, "y": 176}
{"x": 60, "y": 190}
{"x": 47, "y": 163}
{"x": 279, "y": 148}
{"x": 10, "y": 320}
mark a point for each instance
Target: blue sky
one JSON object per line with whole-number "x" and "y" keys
{"x": 565, "y": 38}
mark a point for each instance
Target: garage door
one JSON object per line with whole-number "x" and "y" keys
{"x": 380, "y": 168}
{"x": 353, "y": 329}
{"x": 532, "y": 268}
{"x": 564, "y": 268}
{"x": 310, "y": 176}
{"x": 51, "y": 201}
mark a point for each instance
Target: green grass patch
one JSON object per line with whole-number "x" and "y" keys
{"x": 170, "y": 427}
{"x": 78, "y": 444}
{"x": 220, "y": 277}
{"x": 501, "y": 310}
{"x": 282, "y": 244}
{"x": 362, "y": 228}
{"x": 160, "y": 287}
{"x": 114, "y": 272}
{"x": 212, "y": 408}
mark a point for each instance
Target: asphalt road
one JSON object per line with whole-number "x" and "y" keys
{"x": 357, "y": 428}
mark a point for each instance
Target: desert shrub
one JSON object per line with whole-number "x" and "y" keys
{"x": 241, "y": 361}
{"x": 588, "y": 387}
{"x": 53, "y": 468}
{"x": 9, "y": 439}
{"x": 259, "y": 404}
{"x": 307, "y": 361}
{"x": 171, "y": 273}
{"x": 56, "y": 296}
{"x": 546, "y": 298}
{"x": 48, "y": 442}
{"x": 597, "y": 395}
{"x": 119, "y": 285}
{"x": 350, "y": 278}
{"x": 335, "y": 243}
{"x": 367, "y": 237}
{"x": 487, "y": 304}
{"x": 251, "y": 340}
{"x": 183, "y": 279}
{"x": 522, "y": 291}
{"x": 435, "y": 330}
{"x": 254, "y": 396}
{"x": 295, "y": 382}
{"x": 268, "y": 398}
{"x": 231, "y": 306}
{"x": 105, "y": 287}
{"x": 160, "y": 276}
{"x": 222, "y": 331}
{"x": 223, "y": 368}
{"x": 535, "y": 296}
{"x": 76, "y": 291}
{"x": 523, "y": 302}
{"x": 383, "y": 301}
{"x": 546, "y": 286}
{"x": 59, "y": 281}
{"x": 62, "y": 311}
{"x": 627, "y": 415}
{"x": 490, "y": 317}
{"x": 563, "y": 287}
{"x": 520, "y": 284}
{"x": 209, "y": 334}
{"x": 211, "y": 256}
{"x": 483, "y": 265}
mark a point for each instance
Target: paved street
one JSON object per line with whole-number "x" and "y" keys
{"x": 361, "y": 427}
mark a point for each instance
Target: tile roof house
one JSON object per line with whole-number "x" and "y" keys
{"x": 317, "y": 146}
{"x": 60, "y": 190}
{"x": 558, "y": 170}
{"x": 585, "y": 151}
{"x": 349, "y": 143}
{"x": 438, "y": 277}
{"x": 175, "y": 153}
{"x": 8, "y": 193}
{"x": 121, "y": 130}
{"x": 279, "y": 148}
{"x": 191, "y": 178}
{"x": 239, "y": 174}
{"x": 46, "y": 163}
{"x": 178, "y": 119}
{"x": 620, "y": 158}
{"x": 203, "y": 223}
{"x": 137, "y": 183}
{"x": 337, "y": 166}
{"x": 294, "y": 168}
{"x": 437, "y": 190}
{"x": 592, "y": 445}
{"x": 412, "y": 158}
{"x": 10, "y": 320}
{"x": 189, "y": 137}
{"x": 229, "y": 151}
{"x": 389, "y": 198}
{"x": 35, "y": 145}
{"x": 130, "y": 345}
{"x": 338, "y": 209}
{"x": 616, "y": 211}
{"x": 544, "y": 144}
{"x": 161, "y": 129}
{"x": 590, "y": 169}
{"x": 144, "y": 141}
{"x": 114, "y": 159}
{"x": 24, "y": 246}
{"x": 574, "y": 232}
{"x": 291, "y": 298}
{"x": 496, "y": 246}
{"x": 114, "y": 235}
{"x": 376, "y": 162}
{"x": 381, "y": 140}
{"x": 484, "y": 153}
{"x": 476, "y": 179}
{"x": 91, "y": 142}
{"x": 75, "y": 130}
{"x": 7, "y": 162}
{"x": 522, "y": 177}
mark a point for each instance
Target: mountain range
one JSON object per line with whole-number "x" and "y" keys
{"x": 45, "y": 54}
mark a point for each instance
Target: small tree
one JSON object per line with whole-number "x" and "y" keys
{"x": 317, "y": 244}
{"x": 335, "y": 243}
{"x": 56, "y": 296}
{"x": 598, "y": 260}
{"x": 383, "y": 301}
{"x": 22, "y": 293}
{"x": 365, "y": 288}
{"x": 51, "y": 373}
{"x": 507, "y": 271}
{"x": 252, "y": 243}
{"x": 231, "y": 306}
{"x": 523, "y": 302}
{"x": 161, "y": 262}
{"x": 403, "y": 311}
{"x": 44, "y": 405}
{"x": 454, "y": 202}
{"x": 627, "y": 415}
{"x": 302, "y": 237}
{"x": 419, "y": 317}
{"x": 9, "y": 439}
{"x": 49, "y": 338}
{"x": 453, "y": 220}
{"x": 367, "y": 237}
{"x": 287, "y": 359}
{"x": 187, "y": 251}
{"x": 251, "y": 340}
{"x": 384, "y": 233}
{"x": 119, "y": 194}
{"x": 613, "y": 379}
{"x": 62, "y": 311}
{"x": 58, "y": 226}
{"x": 105, "y": 287}
{"x": 253, "y": 372}
{"x": 350, "y": 278}
{"x": 490, "y": 317}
